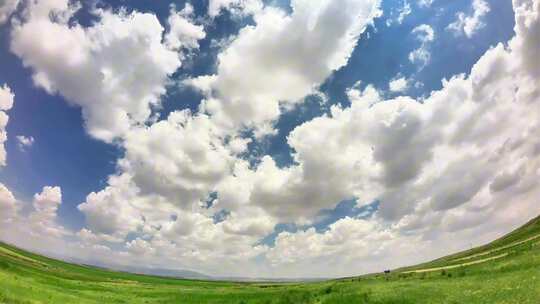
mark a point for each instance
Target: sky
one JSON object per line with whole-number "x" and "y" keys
{"x": 276, "y": 139}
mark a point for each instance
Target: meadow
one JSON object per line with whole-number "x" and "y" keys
{"x": 504, "y": 271}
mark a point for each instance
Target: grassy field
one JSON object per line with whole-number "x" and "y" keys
{"x": 504, "y": 271}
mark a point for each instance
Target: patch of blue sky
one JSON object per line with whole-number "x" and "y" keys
{"x": 346, "y": 208}
{"x": 220, "y": 216}
{"x": 270, "y": 239}
{"x": 210, "y": 200}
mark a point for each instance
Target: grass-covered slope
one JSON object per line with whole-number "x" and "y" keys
{"x": 504, "y": 271}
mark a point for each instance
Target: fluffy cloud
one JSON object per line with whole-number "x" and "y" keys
{"x": 183, "y": 33}
{"x": 425, "y": 34}
{"x": 182, "y": 158}
{"x": 36, "y": 229}
{"x": 397, "y": 145}
{"x": 112, "y": 212}
{"x": 7, "y": 7}
{"x": 6, "y": 102}
{"x": 43, "y": 218}
{"x": 469, "y": 25}
{"x": 93, "y": 67}
{"x": 8, "y": 205}
{"x": 237, "y": 7}
{"x": 339, "y": 248}
{"x": 171, "y": 235}
{"x": 24, "y": 142}
{"x": 161, "y": 193}
{"x": 400, "y": 84}
{"x": 280, "y": 60}
{"x": 425, "y": 3}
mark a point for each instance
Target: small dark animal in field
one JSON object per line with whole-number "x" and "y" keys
{"x": 387, "y": 272}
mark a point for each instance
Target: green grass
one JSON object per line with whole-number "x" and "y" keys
{"x": 506, "y": 271}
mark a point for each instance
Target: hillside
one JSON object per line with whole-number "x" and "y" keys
{"x": 506, "y": 270}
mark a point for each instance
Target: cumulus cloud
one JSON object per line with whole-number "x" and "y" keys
{"x": 37, "y": 227}
{"x": 236, "y": 7}
{"x": 6, "y": 102}
{"x": 8, "y": 205}
{"x": 182, "y": 157}
{"x": 399, "y": 84}
{"x": 425, "y": 3}
{"x": 24, "y": 142}
{"x": 43, "y": 219}
{"x": 425, "y": 34}
{"x": 92, "y": 67}
{"x": 170, "y": 234}
{"x": 279, "y": 60}
{"x": 470, "y": 24}
{"x": 7, "y": 7}
{"x": 183, "y": 32}
{"x": 168, "y": 172}
{"x": 400, "y": 142}
{"x": 112, "y": 211}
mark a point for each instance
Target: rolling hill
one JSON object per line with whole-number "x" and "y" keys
{"x": 506, "y": 270}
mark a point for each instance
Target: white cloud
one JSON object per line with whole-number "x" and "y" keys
{"x": 183, "y": 32}
{"x": 172, "y": 235}
{"x": 167, "y": 173}
{"x": 112, "y": 211}
{"x": 425, "y": 3}
{"x": 182, "y": 158}
{"x": 43, "y": 220}
{"x": 8, "y": 206}
{"x": 470, "y": 24}
{"x": 24, "y": 142}
{"x": 6, "y": 103}
{"x": 425, "y": 34}
{"x": 94, "y": 67}
{"x": 236, "y": 7}
{"x": 280, "y": 60}
{"x": 338, "y": 249}
{"x": 7, "y": 7}
{"x": 402, "y": 12}
{"x": 6, "y": 98}
{"x": 36, "y": 228}
{"x": 140, "y": 247}
{"x": 422, "y": 134}
{"x": 400, "y": 84}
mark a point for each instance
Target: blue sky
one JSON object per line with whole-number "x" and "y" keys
{"x": 66, "y": 154}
